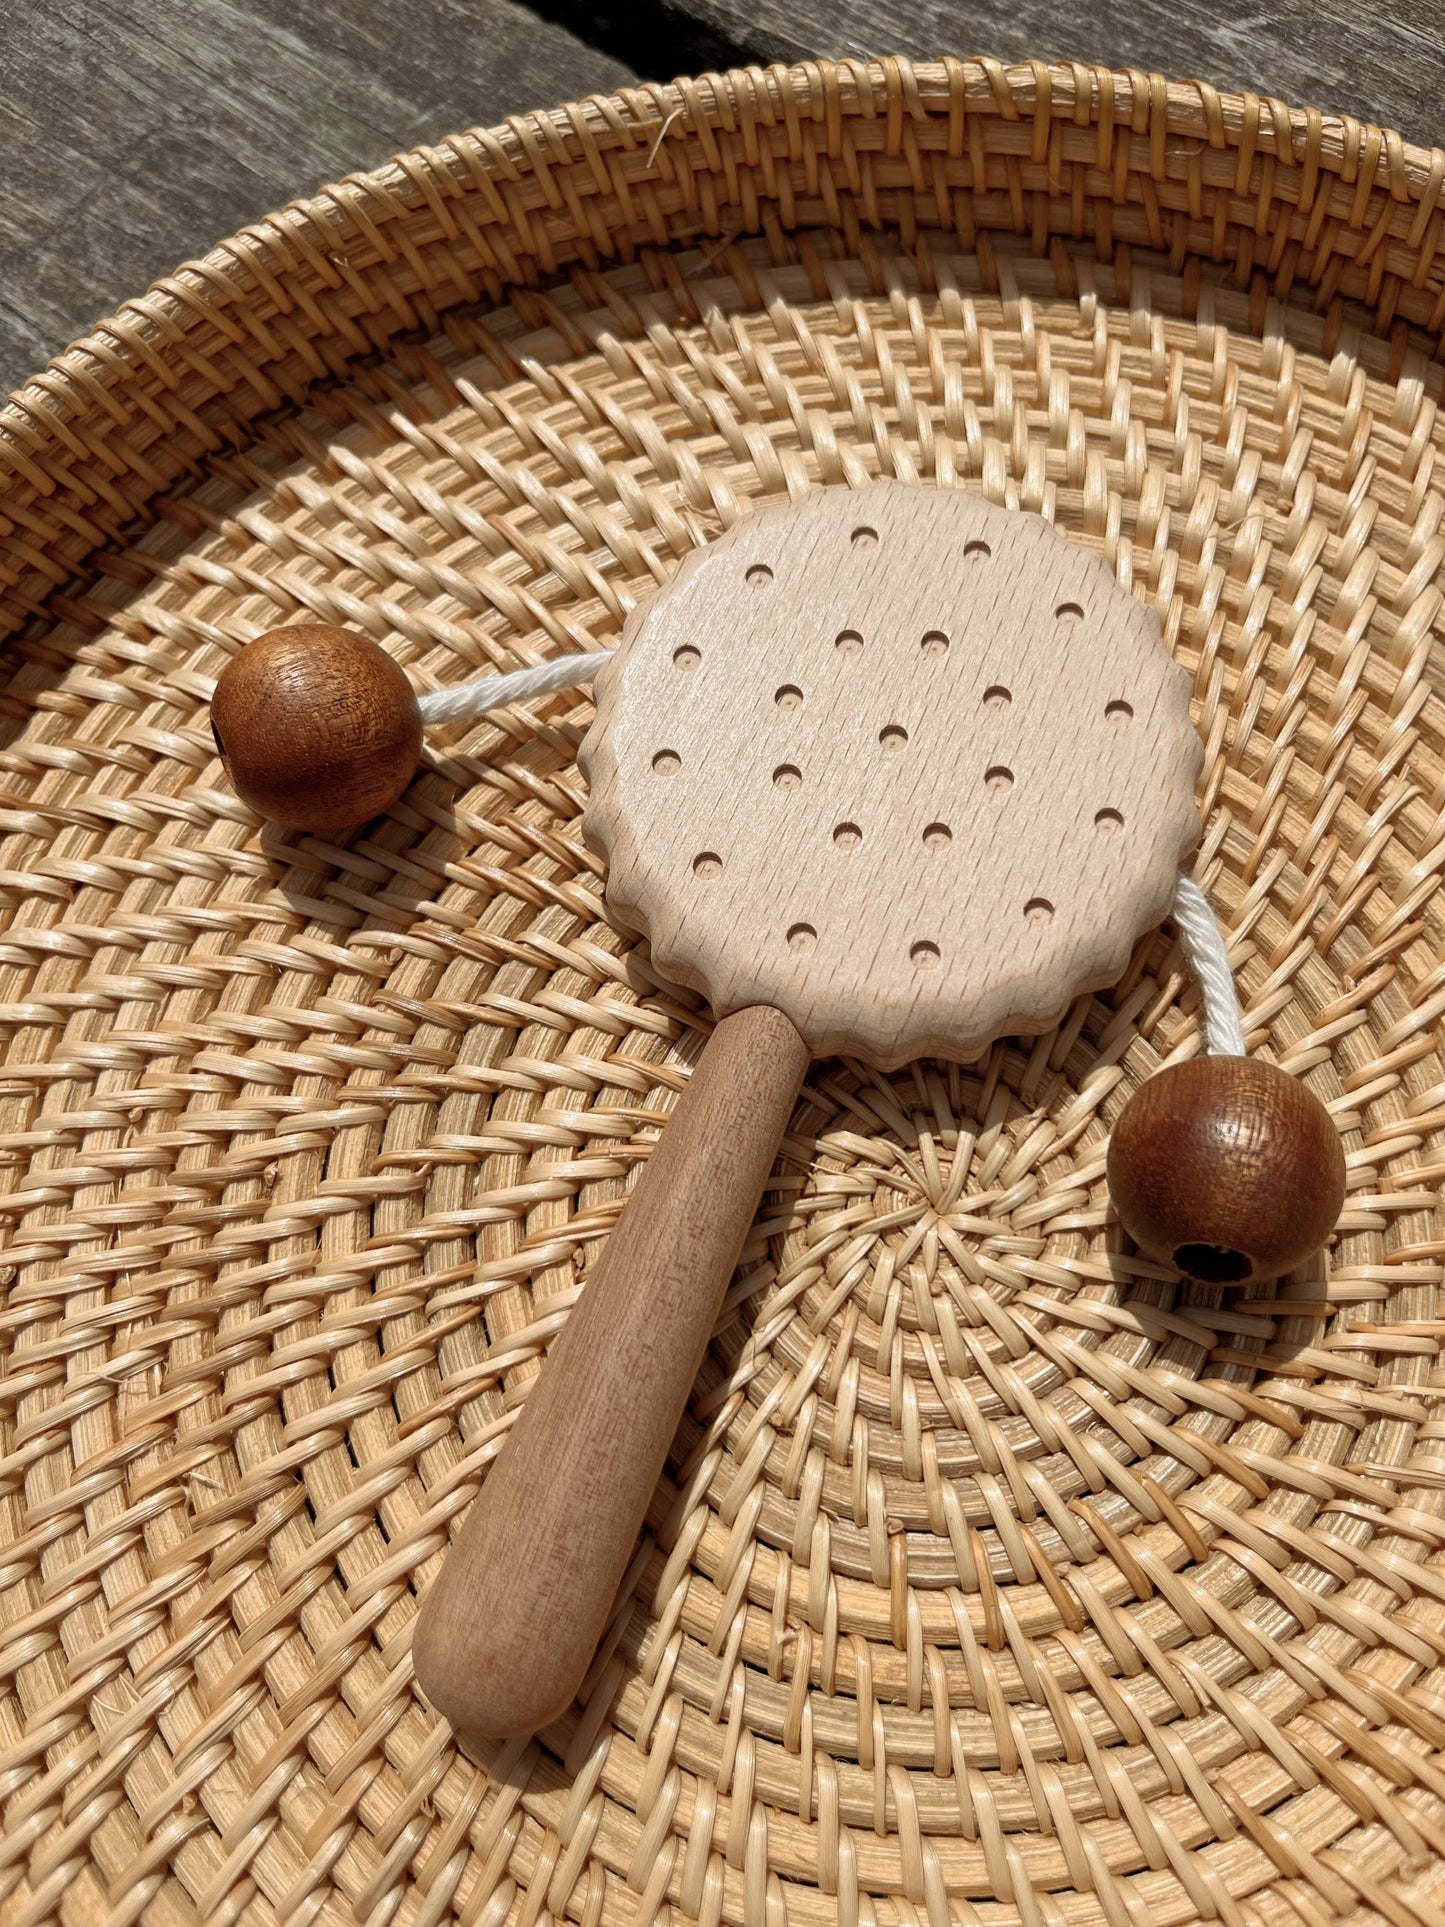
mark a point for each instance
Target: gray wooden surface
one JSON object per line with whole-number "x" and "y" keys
{"x": 134, "y": 133}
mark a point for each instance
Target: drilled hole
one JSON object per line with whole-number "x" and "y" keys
{"x": 708, "y": 865}
{"x": 999, "y": 780}
{"x": 847, "y": 836}
{"x": 997, "y": 697}
{"x": 848, "y": 642}
{"x": 1039, "y": 910}
{"x": 687, "y": 657}
{"x": 789, "y": 697}
{"x": 758, "y": 576}
{"x": 864, "y": 537}
{"x": 1108, "y": 822}
{"x": 667, "y": 762}
{"x": 802, "y": 937}
{"x": 1119, "y": 713}
{"x": 937, "y": 836}
{"x": 977, "y": 551}
{"x": 1212, "y": 1264}
{"x": 787, "y": 776}
{"x": 935, "y": 643}
{"x": 924, "y": 955}
{"x": 1069, "y": 612}
{"x": 216, "y": 738}
{"x": 893, "y": 737}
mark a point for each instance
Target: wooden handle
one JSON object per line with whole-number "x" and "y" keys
{"x": 508, "y": 1631}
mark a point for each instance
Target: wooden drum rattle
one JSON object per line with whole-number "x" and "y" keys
{"x": 887, "y": 773}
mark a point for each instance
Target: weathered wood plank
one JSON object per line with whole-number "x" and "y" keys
{"x": 135, "y": 133}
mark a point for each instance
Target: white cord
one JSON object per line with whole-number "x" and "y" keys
{"x": 1198, "y": 926}
{"x": 1203, "y": 942}
{"x": 469, "y": 700}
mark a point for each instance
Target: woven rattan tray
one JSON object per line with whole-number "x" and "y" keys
{"x": 997, "y": 1578}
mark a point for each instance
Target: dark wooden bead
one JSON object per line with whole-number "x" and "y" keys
{"x": 318, "y": 727}
{"x": 1227, "y": 1169}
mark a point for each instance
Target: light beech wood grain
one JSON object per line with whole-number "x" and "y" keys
{"x": 911, "y": 767}
{"x": 886, "y": 772}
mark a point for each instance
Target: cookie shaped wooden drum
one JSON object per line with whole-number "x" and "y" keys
{"x": 886, "y": 773}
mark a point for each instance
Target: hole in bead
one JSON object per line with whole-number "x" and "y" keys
{"x": 1069, "y": 612}
{"x": 976, "y": 551}
{"x": 216, "y": 738}
{"x": 1039, "y": 910}
{"x": 667, "y": 762}
{"x": 864, "y": 537}
{"x": 848, "y": 642}
{"x": 893, "y": 737}
{"x": 787, "y": 776}
{"x": 1212, "y": 1264}
{"x": 1108, "y": 822}
{"x": 847, "y": 836}
{"x": 758, "y": 576}
{"x": 924, "y": 955}
{"x": 802, "y": 937}
{"x": 687, "y": 657}
{"x": 999, "y": 780}
{"x": 1119, "y": 713}
{"x": 935, "y": 643}
{"x": 707, "y": 865}
{"x": 937, "y": 836}
{"x": 997, "y": 697}
{"x": 789, "y": 697}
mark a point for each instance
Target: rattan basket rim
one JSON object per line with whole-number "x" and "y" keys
{"x": 37, "y": 419}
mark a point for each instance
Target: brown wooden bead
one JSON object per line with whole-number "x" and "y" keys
{"x": 318, "y": 727}
{"x": 1227, "y": 1169}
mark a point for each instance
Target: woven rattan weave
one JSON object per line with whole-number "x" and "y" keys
{"x": 998, "y": 1578}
